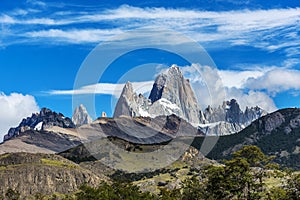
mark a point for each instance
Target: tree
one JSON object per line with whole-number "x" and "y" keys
{"x": 277, "y": 193}
{"x": 216, "y": 186}
{"x": 293, "y": 186}
{"x": 241, "y": 177}
{"x": 192, "y": 189}
{"x": 238, "y": 178}
{"x": 116, "y": 191}
{"x": 253, "y": 155}
{"x": 169, "y": 194}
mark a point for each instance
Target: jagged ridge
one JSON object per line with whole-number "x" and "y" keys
{"x": 172, "y": 94}
{"x": 40, "y": 121}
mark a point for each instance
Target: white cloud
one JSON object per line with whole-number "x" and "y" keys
{"x": 106, "y": 88}
{"x": 13, "y": 108}
{"x": 231, "y": 78}
{"x": 249, "y": 87}
{"x": 206, "y": 83}
{"x": 213, "y": 86}
{"x": 274, "y": 81}
{"x": 75, "y": 35}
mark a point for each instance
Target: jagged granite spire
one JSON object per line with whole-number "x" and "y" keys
{"x": 123, "y": 104}
{"x": 173, "y": 87}
{"x": 170, "y": 94}
{"x": 131, "y": 104}
{"x": 81, "y": 116}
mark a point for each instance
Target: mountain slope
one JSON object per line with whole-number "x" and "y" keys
{"x": 33, "y": 141}
{"x": 276, "y": 134}
{"x": 43, "y": 132}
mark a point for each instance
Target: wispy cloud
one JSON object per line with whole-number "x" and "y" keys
{"x": 36, "y": 3}
{"x": 114, "y": 89}
{"x": 75, "y": 35}
{"x": 271, "y": 30}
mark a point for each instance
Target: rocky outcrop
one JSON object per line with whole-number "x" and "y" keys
{"x": 81, "y": 116}
{"x": 46, "y": 174}
{"x": 40, "y": 121}
{"x": 230, "y": 112}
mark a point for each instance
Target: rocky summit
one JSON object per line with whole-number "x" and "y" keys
{"x": 81, "y": 116}
{"x": 228, "y": 118}
{"x": 40, "y": 121}
{"x": 172, "y": 94}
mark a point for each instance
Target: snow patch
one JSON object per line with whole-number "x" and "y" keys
{"x": 168, "y": 104}
{"x": 227, "y": 107}
{"x": 38, "y": 127}
{"x": 143, "y": 113}
{"x": 210, "y": 125}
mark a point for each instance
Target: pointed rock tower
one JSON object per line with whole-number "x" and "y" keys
{"x": 81, "y": 116}
{"x": 171, "y": 94}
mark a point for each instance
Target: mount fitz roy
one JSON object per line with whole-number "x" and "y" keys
{"x": 172, "y": 94}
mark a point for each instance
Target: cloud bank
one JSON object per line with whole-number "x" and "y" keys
{"x": 275, "y": 81}
{"x": 13, "y": 108}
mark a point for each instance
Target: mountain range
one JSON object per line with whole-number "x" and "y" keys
{"x": 54, "y": 150}
{"x": 172, "y": 94}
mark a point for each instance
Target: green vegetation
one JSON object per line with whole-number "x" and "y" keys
{"x": 242, "y": 177}
{"x": 57, "y": 163}
{"x": 249, "y": 174}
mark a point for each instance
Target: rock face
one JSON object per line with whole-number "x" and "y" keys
{"x": 40, "y": 121}
{"x": 81, "y": 116}
{"x": 172, "y": 94}
{"x": 230, "y": 112}
{"x": 228, "y": 118}
{"x": 175, "y": 92}
{"x": 30, "y": 174}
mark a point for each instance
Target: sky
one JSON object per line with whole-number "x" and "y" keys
{"x": 254, "y": 47}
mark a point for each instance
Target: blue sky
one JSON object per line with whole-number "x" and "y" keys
{"x": 255, "y": 46}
